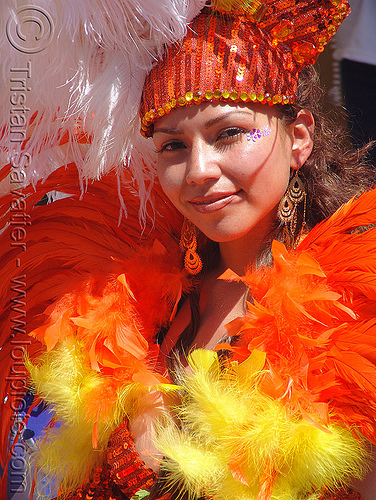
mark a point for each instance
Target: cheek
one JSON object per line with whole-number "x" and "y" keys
{"x": 170, "y": 179}
{"x": 266, "y": 174}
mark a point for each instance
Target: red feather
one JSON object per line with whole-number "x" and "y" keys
{"x": 78, "y": 245}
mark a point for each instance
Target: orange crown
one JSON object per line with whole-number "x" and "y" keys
{"x": 249, "y": 51}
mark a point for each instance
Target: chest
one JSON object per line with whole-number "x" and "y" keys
{"x": 220, "y": 302}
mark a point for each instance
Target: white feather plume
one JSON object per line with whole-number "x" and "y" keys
{"x": 88, "y": 77}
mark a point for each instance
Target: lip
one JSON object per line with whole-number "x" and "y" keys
{"x": 212, "y": 202}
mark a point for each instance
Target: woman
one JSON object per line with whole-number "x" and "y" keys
{"x": 245, "y": 158}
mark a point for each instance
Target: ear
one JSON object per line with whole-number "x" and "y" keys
{"x": 302, "y": 136}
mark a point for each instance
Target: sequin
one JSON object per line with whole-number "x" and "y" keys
{"x": 240, "y": 75}
{"x": 198, "y": 59}
{"x": 288, "y": 62}
{"x": 337, "y": 19}
{"x": 282, "y": 30}
{"x": 344, "y": 494}
{"x": 342, "y": 8}
{"x": 197, "y": 97}
{"x": 257, "y": 133}
{"x": 322, "y": 40}
{"x": 256, "y": 10}
{"x": 304, "y": 53}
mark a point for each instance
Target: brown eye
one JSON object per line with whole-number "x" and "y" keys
{"x": 230, "y": 133}
{"x": 171, "y": 146}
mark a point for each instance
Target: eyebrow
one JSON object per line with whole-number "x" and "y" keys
{"x": 208, "y": 124}
{"x": 217, "y": 119}
{"x": 167, "y": 130}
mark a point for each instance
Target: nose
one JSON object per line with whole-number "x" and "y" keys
{"x": 202, "y": 164}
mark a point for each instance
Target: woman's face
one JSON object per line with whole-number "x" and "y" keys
{"x": 226, "y": 167}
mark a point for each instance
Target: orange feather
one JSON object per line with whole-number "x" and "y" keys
{"x": 78, "y": 245}
{"x": 313, "y": 313}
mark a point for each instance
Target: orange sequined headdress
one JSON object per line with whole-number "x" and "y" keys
{"x": 250, "y": 51}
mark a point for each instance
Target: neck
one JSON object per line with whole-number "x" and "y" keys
{"x": 242, "y": 252}
{"x": 237, "y": 256}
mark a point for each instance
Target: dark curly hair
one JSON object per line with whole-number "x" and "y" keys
{"x": 334, "y": 172}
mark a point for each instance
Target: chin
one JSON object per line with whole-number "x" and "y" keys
{"x": 254, "y": 232}
{"x": 225, "y": 236}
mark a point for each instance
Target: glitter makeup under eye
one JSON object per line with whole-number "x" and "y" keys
{"x": 257, "y": 133}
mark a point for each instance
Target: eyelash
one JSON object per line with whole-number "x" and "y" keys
{"x": 226, "y": 139}
{"x": 237, "y": 131}
{"x": 222, "y": 137}
{"x": 165, "y": 146}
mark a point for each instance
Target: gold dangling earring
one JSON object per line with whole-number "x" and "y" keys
{"x": 188, "y": 244}
{"x": 288, "y": 209}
